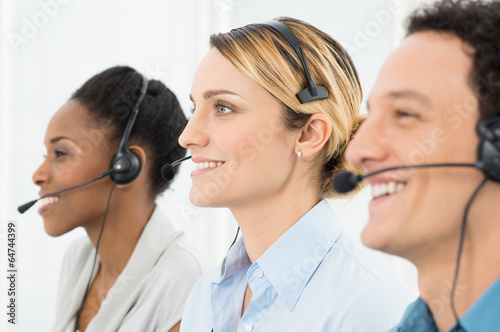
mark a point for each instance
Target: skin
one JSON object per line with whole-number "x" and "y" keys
{"x": 423, "y": 110}
{"x": 238, "y": 123}
{"x": 77, "y": 152}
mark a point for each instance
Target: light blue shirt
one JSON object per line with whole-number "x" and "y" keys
{"x": 313, "y": 278}
{"x": 484, "y": 315}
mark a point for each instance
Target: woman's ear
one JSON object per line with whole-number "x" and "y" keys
{"x": 313, "y": 135}
{"x": 142, "y": 155}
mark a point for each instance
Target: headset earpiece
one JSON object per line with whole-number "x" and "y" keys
{"x": 127, "y": 164}
{"x": 312, "y": 91}
{"x": 488, "y": 152}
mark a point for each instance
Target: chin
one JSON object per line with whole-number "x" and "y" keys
{"x": 53, "y": 231}
{"x": 199, "y": 199}
{"x": 374, "y": 239}
{"x": 207, "y": 198}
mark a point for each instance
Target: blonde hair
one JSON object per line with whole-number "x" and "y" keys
{"x": 262, "y": 54}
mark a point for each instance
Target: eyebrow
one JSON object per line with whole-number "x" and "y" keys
{"x": 410, "y": 94}
{"x": 212, "y": 93}
{"x": 57, "y": 139}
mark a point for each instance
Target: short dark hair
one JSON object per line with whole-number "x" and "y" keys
{"x": 477, "y": 23}
{"x": 110, "y": 97}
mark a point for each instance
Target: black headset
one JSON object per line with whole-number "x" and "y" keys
{"x": 127, "y": 164}
{"x": 488, "y": 151}
{"x": 312, "y": 92}
{"x": 125, "y": 167}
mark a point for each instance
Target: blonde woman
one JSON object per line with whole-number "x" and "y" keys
{"x": 270, "y": 124}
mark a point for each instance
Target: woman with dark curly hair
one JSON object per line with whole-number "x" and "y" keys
{"x": 140, "y": 268}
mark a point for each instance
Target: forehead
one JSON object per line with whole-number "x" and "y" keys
{"x": 70, "y": 115}
{"x": 215, "y": 72}
{"x": 434, "y": 65}
{"x": 71, "y": 120}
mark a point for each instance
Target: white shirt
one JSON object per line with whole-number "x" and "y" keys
{"x": 150, "y": 293}
{"x": 313, "y": 278}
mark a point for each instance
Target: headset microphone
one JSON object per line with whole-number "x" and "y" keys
{"x": 167, "y": 171}
{"x": 347, "y": 181}
{"x": 23, "y": 208}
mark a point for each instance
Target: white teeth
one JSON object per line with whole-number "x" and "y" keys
{"x": 208, "y": 164}
{"x": 391, "y": 187}
{"x": 50, "y": 200}
{"x": 381, "y": 189}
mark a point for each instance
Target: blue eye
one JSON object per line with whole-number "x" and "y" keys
{"x": 222, "y": 109}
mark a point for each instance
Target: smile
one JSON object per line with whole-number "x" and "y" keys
{"x": 208, "y": 164}
{"x": 386, "y": 188}
{"x": 49, "y": 200}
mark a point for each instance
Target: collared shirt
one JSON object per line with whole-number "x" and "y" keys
{"x": 313, "y": 278}
{"x": 484, "y": 315}
{"x": 149, "y": 294}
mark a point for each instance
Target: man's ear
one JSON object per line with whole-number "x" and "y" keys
{"x": 313, "y": 135}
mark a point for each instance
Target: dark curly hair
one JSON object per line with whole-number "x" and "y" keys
{"x": 111, "y": 95}
{"x": 477, "y": 23}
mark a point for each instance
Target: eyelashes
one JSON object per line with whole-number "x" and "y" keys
{"x": 220, "y": 108}
{"x": 57, "y": 154}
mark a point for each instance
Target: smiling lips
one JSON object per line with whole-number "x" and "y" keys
{"x": 47, "y": 203}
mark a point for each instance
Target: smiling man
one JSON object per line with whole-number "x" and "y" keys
{"x": 431, "y": 94}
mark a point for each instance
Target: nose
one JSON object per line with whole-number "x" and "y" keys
{"x": 41, "y": 175}
{"x": 195, "y": 134}
{"x": 368, "y": 145}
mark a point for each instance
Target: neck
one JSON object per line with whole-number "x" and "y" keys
{"x": 479, "y": 268}
{"x": 125, "y": 222}
{"x": 266, "y": 219}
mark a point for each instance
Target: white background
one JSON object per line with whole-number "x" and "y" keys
{"x": 49, "y": 48}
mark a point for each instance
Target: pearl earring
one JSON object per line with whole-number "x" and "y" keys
{"x": 299, "y": 154}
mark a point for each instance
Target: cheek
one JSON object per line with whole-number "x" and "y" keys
{"x": 69, "y": 175}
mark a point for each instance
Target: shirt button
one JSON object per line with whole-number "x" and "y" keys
{"x": 258, "y": 273}
{"x": 249, "y": 326}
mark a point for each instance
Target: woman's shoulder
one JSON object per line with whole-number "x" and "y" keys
{"x": 363, "y": 278}
{"x": 369, "y": 265}
{"x": 181, "y": 258}
{"x": 176, "y": 255}
{"x": 77, "y": 253}
{"x": 197, "y": 314}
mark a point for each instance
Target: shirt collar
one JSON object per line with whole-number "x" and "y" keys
{"x": 484, "y": 313}
{"x": 417, "y": 318}
{"x": 292, "y": 260}
{"x": 480, "y": 317}
{"x": 236, "y": 260}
